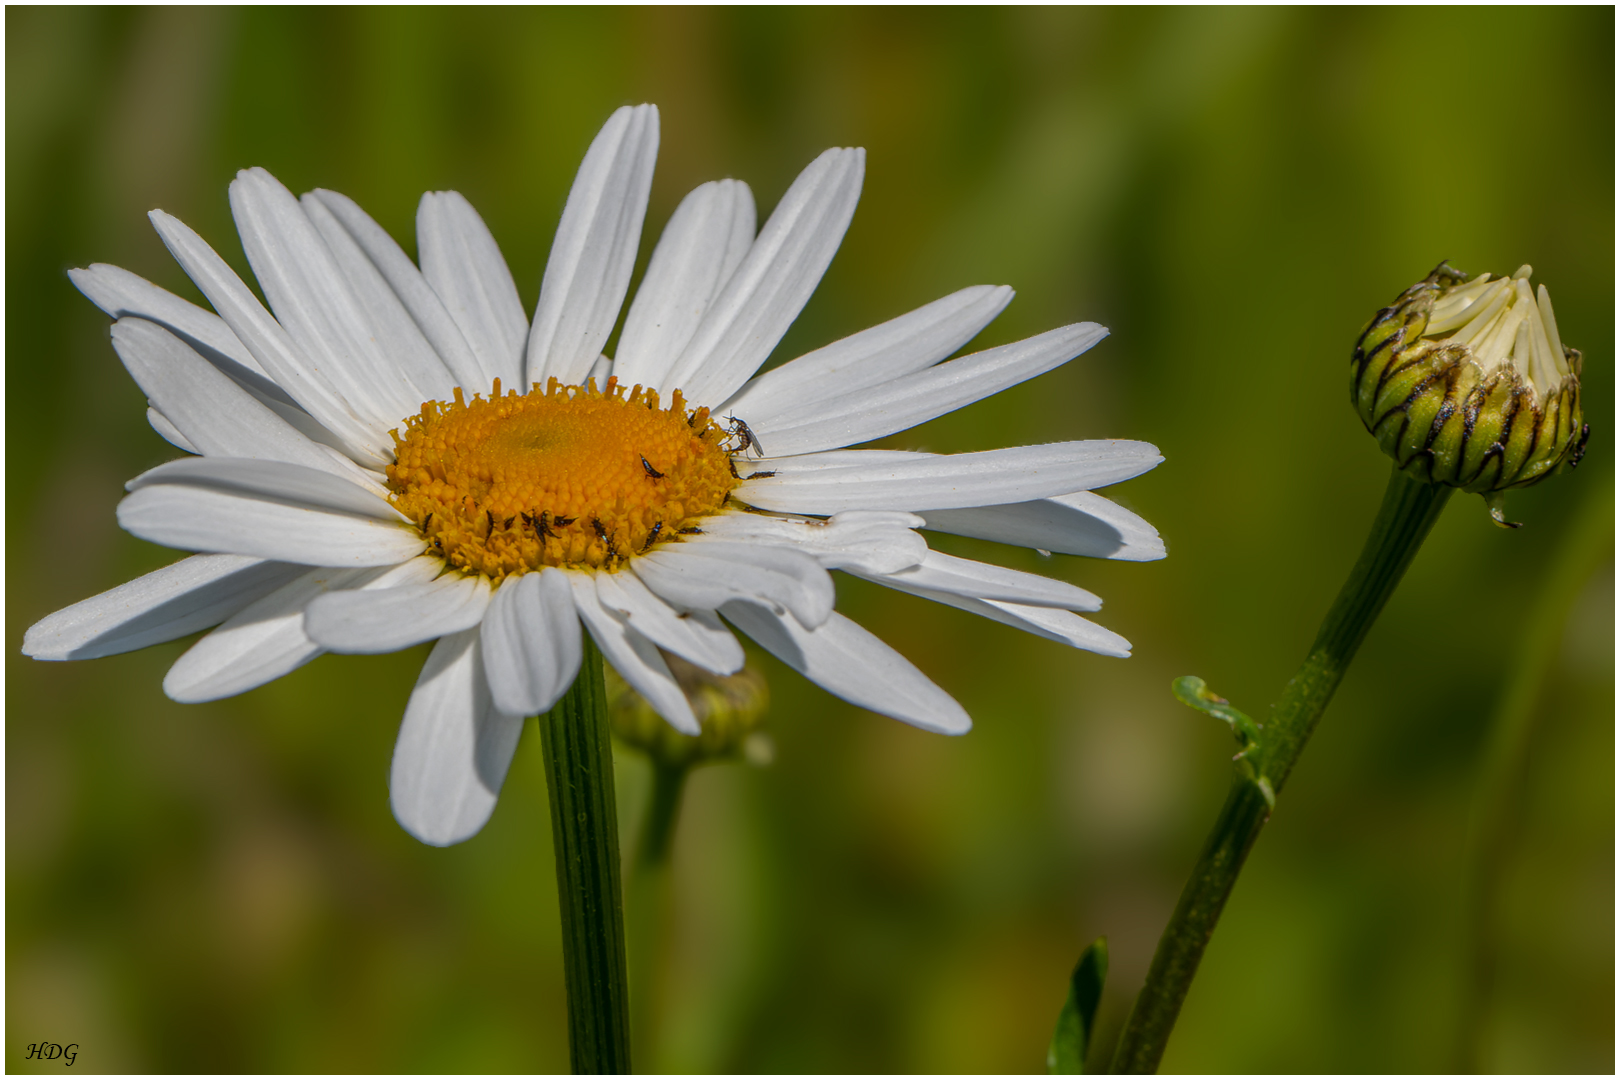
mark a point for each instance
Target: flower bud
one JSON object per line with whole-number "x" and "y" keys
{"x": 728, "y": 709}
{"x": 1466, "y": 383}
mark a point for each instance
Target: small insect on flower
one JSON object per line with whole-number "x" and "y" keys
{"x": 747, "y": 440}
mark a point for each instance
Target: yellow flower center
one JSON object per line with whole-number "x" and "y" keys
{"x": 567, "y": 476}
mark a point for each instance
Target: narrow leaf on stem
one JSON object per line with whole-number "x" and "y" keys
{"x": 1072, "y": 1038}
{"x": 1192, "y": 691}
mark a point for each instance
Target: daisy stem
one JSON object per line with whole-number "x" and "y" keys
{"x": 1409, "y": 510}
{"x": 585, "y": 839}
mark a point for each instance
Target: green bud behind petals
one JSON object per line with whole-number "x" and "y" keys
{"x": 728, "y": 709}
{"x": 1466, "y": 383}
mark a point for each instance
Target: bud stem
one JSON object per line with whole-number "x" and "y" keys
{"x": 585, "y": 841}
{"x": 651, "y": 896}
{"x": 1410, "y": 509}
{"x": 663, "y": 805}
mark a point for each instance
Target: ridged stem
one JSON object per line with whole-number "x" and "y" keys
{"x": 585, "y": 838}
{"x": 1409, "y": 510}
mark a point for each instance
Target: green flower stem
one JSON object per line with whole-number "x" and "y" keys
{"x": 585, "y": 837}
{"x": 650, "y": 898}
{"x": 663, "y": 805}
{"x": 1409, "y": 510}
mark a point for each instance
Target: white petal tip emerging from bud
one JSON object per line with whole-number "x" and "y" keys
{"x": 1503, "y": 325}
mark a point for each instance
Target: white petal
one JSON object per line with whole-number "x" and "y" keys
{"x": 771, "y": 286}
{"x": 701, "y": 577}
{"x": 209, "y": 410}
{"x": 260, "y": 389}
{"x": 463, "y": 264}
{"x": 342, "y": 465}
{"x": 170, "y": 603}
{"x": 233, "y": 506}
{"x": 398, "y": 338}
{"x": 588, "y": 271}
{"x": 702, "y": 245}
{"x": 804, "y": 464}
{"x": 386, "y": 620}
{"x": 202, "y": 519}
{"x": 1015, "y": 474}
{"x": 277, "y": 354}
{"x": 315, "y": 303}
{"x": 600, "y": 371}
{"x": 165, "y": 427}
{"x": 1064, "y": 627}
{"x": 1083, "y": 523}
{"x": 634, "y": 657}
{"x": 263, "y": 641}
{"x": 413, "y": 290}
{"x": 965, "y": 577}
{"x": 371, "y": 480}
{"x": 912, "y": 342}
{"x": 902, "y": 403}
{"x": 691, "y": 636}
{"x": 298, "y": 485}
{"x": 123, "y": 294}
{"x": 1549, "y": 326}
{"x": 855, "y": 665}
{"x": 531, "y": 642}
{"x": 119, "y": 293}
{"x": 454, "y": 748}
{"x": 876, "y": 541}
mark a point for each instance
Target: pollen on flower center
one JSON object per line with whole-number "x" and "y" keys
{"x": 568, "y": 476}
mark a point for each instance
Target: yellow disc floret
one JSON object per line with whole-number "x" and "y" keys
{"x": 567, "y": 476}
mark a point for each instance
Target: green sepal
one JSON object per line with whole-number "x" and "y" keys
{"x": 1496, "y": 501}
{"x": 1192, "y": 691}
{"x": 1072, "y": 1038}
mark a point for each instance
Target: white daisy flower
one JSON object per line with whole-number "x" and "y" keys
{"x": 369, "y": 474}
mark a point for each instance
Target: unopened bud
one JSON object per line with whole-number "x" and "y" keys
{"x": 1466, "y": 383}
{"x": 728, "y": 709}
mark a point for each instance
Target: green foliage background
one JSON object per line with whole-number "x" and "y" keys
{"x": 221, "y": 887}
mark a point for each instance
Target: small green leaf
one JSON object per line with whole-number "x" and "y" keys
{"x": 1192, "y": 691}
{"x": 1072, "y": 1039}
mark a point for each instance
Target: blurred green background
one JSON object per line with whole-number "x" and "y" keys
{"x": 221, "y": 887}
